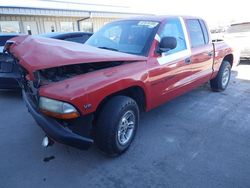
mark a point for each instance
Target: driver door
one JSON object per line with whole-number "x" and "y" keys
{"x": 174, "y": 70}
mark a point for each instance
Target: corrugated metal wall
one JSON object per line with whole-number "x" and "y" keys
{"x": 97, "y": 21}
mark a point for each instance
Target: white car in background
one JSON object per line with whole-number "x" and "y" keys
{"x": 238, "y": 37}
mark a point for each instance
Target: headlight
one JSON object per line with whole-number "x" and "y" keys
{"x": 57, "y": 109}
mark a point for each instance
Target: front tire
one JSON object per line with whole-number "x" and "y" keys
{"x": 116, "y": 125}
{"x": 220, "y": 82}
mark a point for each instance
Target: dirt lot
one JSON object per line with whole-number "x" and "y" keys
{"x": 201, "y": 139}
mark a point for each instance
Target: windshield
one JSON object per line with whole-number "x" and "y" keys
{"x": 133, "y": 37}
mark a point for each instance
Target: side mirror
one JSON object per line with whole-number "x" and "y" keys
{"x": 166, "y": 44}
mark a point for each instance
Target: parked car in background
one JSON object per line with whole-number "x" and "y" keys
{"x": 79, "y": 37}
{"x": 95, "y": 92}
{"x": 9, "y": 72}
{"x": 4, "y": 37}
{"x": 238, "y": 36}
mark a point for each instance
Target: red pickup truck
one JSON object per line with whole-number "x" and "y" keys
{"x": 80, "y": 94}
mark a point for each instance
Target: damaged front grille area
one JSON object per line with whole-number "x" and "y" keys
{"x": 56, "y": 74}
{"x": 28, "y": 86}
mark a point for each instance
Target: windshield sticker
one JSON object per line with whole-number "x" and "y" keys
{"x": 157, "y": 37}
{"x": 148, "y": 24}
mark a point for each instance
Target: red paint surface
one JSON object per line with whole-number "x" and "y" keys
{"x": 160, "y": 83}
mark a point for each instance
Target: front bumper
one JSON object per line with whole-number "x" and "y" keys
{"x": 55, "y": 130}
{"x": 245, "y": 54}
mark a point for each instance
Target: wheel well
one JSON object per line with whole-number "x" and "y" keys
{"x": 135, "y": 92}
{"x": 229, "y": 58}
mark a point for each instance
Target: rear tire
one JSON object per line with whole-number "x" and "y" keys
{"x": 116, "y": 125}
{"x": 220, "y": 82}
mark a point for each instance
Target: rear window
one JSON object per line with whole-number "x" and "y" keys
{"x": 195, "y": 32}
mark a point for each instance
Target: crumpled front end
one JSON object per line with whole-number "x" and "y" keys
{"x": 63, "y": 74}
{"x": 73, "y": 132}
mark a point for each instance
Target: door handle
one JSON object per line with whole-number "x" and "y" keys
{"x": 210, "y": 54}
{"x": 188, "y": 60}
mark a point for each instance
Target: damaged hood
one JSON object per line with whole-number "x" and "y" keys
{"x": 36, "y": 53}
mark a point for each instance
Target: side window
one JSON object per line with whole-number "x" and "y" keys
{"x": 195, "y": 32}
{"x": 204, "y": 29}
{"x": 173, "y": 28}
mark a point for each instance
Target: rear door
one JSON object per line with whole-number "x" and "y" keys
{"x": 202, "y": 50}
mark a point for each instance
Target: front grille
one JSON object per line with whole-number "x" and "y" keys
{"x": 28, "y": 87}
{"x": 31, "y": 92}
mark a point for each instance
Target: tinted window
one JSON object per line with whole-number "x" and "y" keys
{"x": 173, "y": 28}
{"x": 195, "y": 32}
{"x": 3, "y": 39}
{"x": 204, "y": 29}
{"x": 80, "y": 39}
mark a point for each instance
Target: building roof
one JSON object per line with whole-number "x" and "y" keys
{"x": 63, "y": 8}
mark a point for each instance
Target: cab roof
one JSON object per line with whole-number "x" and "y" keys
{"x": 160, "y": 18}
